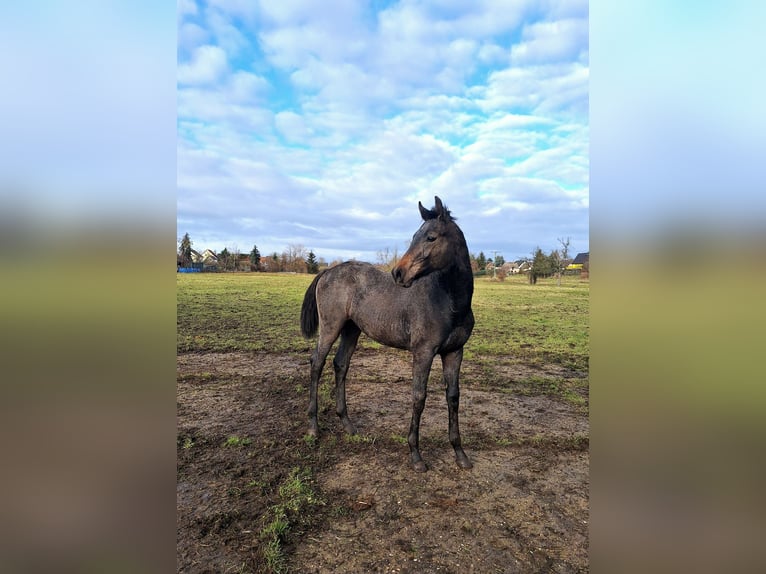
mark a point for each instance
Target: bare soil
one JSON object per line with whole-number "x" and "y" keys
{"x": 524, "y": 507}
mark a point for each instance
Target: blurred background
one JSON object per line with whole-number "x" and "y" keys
{"x": 87, "y": 298}
{"x": 678, "y": 270}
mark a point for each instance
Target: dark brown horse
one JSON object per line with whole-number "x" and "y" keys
{"x": 423, "y": 306}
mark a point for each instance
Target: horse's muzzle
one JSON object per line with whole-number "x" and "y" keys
{"x": 398, "y": 276}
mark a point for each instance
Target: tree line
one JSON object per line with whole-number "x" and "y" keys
{"x": 538, "y": 265}
{"x": 295, "y": 259}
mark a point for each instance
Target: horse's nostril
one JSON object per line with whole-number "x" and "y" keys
{"x": 397, "y": 273}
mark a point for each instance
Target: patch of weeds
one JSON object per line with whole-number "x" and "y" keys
{"x": 310, "y": 440}
{"x": 297, "y": 496}
{"x": 539, "y": 440}
{"x": 274, "y": 533}
{"x": 259, "y": 484}
{"x": 188, "y": 443}
{"x": 359, "y": 438}
{"x": 299, "y": 389}
{"x": 240, "y": 569}
{"x": 329, "y": 443}
{"x": 573, "y": 398}
{"x": 234, "y": 440}
{"x": 297, "y": 490}
{"x": 577, "y": 442}
{"x": 399, "y": 439}
{"x": 339, "y": 511}
{"x": 325, "y": 393}
{"x": 504, "y": 442}
{"x": 204, "y": 377}
{"x": 571, "y": 442}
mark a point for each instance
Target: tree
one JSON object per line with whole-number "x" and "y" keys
{"x": 185, "y": 251}
{"x": 563, "y": 258}
{"x": 255, "y": 259}
{"x": 481, "y": 261}
{"x": 387, "y": 260}
{"x": 294, "y": 259}
{"x": 555, "y": 263}
{"x": 225, "y": 258}
{"x": 541, "y": 266}
{"x": 499, "y": 260}
{"x": 311, "y": 263}
{"x": 235, "y": 258}
{"x": 474, "y": 264}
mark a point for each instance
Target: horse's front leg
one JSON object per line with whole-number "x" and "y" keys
{"x": 421, "y": 368}
{"x": 451, "y": 367}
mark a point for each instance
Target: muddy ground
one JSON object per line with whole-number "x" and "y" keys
{"x": 524, "y": 507}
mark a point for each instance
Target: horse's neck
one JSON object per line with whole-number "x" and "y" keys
{"x": 458, "y": 282}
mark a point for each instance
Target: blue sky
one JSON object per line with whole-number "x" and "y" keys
{"x": 323, "y": 124}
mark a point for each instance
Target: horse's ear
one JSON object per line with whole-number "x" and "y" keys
{"x": 439, "y": 209}
{"x": 426, "y": 214}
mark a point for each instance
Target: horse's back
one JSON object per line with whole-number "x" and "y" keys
{"x": 347, "y": 280}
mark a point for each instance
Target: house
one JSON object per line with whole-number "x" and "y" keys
{"x": 205, "y": 261}
{"x": 524, "y": 266}
{"x": 580, "y": 262}
{"x": 209, "y": 260}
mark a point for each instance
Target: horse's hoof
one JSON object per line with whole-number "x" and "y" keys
{"x": 349, "y": 428}
{"x": 313, "y": 431}
{"x": 419, "y": 466}
{"x": 464, "y": 463}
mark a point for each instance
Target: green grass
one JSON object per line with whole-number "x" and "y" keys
{"x": 534, "y": 323}
{"x": 261, "y": 312}
{"x": 237, "y": 441}
{"x": 296, "y": 496}
{"x": 240, "y": 312}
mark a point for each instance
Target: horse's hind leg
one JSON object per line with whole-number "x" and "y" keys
{"x": 451, "y": 368}
{"x": 324, "y": 344}
{"x": 349, "y": 336}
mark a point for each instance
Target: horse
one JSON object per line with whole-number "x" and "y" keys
{"x": 423, "y": 306}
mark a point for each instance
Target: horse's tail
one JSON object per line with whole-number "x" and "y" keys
{"x": 309, "y": 312}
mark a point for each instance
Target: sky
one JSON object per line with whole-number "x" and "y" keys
{"x": 322, "y": 124}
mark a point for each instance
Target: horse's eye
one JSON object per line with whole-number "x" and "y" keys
{"x": 431, "y": 238}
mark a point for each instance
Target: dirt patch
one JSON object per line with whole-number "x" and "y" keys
{"x": 241, "y": 424}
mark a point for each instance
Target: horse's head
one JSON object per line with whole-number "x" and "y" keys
{"x": 434, "y": 246}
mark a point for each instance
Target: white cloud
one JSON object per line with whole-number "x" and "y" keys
{"x": 292, "y": 127}
{"x": 207, "y": 65}
{"x": 191, "y": 35}
{"x": 356, "y": 115}
{"x": 546, "y": 42}
{"x": 543, "y": 90}
{"x": 246, "y": 87}
{"x": 227, "y": 35}
{"x": 186, "y": 7}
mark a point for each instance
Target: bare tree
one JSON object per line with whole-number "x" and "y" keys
{"x": 235, "y": 256}
{"x": 295, "y": 258}
{"x": 563, "y": 256}
{"x": 387, "y": 259}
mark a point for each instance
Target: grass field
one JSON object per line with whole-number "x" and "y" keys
{"x": 515, "y": 321}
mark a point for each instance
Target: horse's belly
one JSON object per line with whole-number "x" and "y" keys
{"x": 392, "y": 336}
